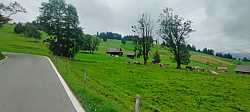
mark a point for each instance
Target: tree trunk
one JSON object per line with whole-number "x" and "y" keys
{"x": 178, "y": 58}
{"x": 145, "y": 60}
{"x": 178, "y": 65}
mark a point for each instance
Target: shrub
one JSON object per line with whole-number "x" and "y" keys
{"x": 90, "y": 43}
{"x": 19, "y": 28}
{"x": 123, "y": 41}
{"x": 29, "y": 30}
{"x": 32, "y": 31}
{"x": 1, "y": 56}
{"x": 156, "y": 58}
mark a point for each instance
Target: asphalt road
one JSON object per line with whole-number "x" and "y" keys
{"x": 30, "y": 84}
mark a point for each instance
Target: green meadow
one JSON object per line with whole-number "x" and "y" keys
{"x": 112, "y": 83}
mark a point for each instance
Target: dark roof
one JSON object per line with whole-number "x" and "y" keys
{"x": 114, "y": 50}
{"x": 242, "y": 68}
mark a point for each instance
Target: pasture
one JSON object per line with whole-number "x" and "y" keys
{"x": 112, "y": 83}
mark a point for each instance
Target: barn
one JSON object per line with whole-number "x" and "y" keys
{"x": 242, "y": 69}
{"x": 131, "y": 55}
{"x": 114, "y": 51}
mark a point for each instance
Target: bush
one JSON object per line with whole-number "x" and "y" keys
{"x": 32, "y": 31}
{"x": 90, "y": 43}
{"x": 156, "y": 58}
{"x": 28, "y": 30}
{"x": 19, "y": 28}
{"x": 123, "y": 41}
{"x": 1, "y": 56}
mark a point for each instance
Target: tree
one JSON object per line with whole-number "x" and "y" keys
{"x": 7, "y": 11}
{"x": 103, "y": 36}
{"x": 110, "y": 35}
{"x": 189, "y": 47}
{"x": 156, "y": 58}
{"x": 90, "y": 43}
{"x": 28, "y": 29}
{"x": 123, "y": 41}
{"x": 144, "y": 42}
{"x": 245, "y": 59}
{"x": 193, "y": 48}
{"x": 129, "y": 37}
{"x": 60, "y": 21}
{"x": 218, "y": 54}
{"x": 19, "y": 28}
{"x": 174, "y": 30}
{"x": 208, "y": 51}
{"x": 31, "y": 30}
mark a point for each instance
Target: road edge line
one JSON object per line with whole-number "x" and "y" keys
{"x": 71, "y": 96}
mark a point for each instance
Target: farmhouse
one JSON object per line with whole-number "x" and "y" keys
{"x": 114, "y": 51}
{"x": 222, "y": 69}
{"x": 131, "y": 55}
{"x": 242, "y": 69}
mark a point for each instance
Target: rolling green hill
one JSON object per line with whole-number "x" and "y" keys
{"x": 112, "y": 83}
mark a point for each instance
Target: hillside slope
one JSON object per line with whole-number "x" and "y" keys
{"x": 112, "y": 83}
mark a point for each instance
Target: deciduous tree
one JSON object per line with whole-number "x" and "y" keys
{"x": 90, "y": 43}
{"x": 174, "y": 30}
{"x": 60, "y": 21}
{"x": 144, "y": 42}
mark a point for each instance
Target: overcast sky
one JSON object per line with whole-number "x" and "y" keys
{"x": 223, "y": 25}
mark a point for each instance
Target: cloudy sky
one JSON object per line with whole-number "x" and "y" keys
{"x": 223, "y": 25}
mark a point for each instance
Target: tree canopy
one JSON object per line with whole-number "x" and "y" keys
{"x": 174, "y": 30}
{"x": 90, "y": 43}
{"x": 109, "y": 35}
{"x": 60, "y": 21}
{"x": 144, "y": 42}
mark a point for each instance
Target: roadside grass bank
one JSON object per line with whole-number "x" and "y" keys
{"x": 1, "y": 56}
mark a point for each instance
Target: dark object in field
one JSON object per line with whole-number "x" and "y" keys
{"x": 196, "y": 69}
{"x": 189, "y": 68}
{"x": 163, "y": 65}
{"x": 199, "y": 69}
{"x": 115, "y": 51}
{"x": 131, "y": 55}
{"x": 242, "y": 69}
{"x": 138, "y": 63}
{"x": 222, "y": 69}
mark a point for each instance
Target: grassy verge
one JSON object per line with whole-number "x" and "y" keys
{"x": 112, "y": 83}
{"x": 1, "y": 56}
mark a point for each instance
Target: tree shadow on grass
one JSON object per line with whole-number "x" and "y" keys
{"x": 85, "y": 52}
{"x": 84, "y": 61}
{"x": 33, "y": 41}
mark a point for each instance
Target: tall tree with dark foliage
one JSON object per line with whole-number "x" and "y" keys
{"x": 144, "y": 42}
{"x": 174, "y": 30}
{"x": 60, "y": 21}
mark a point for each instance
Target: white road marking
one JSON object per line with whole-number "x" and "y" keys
{"x": 73, "y": 99}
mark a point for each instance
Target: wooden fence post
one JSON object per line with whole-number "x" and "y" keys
{"x": 137, "y": 103}
{"x": 85, "y": 77}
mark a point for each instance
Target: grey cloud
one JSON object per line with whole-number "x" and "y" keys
{"x": 220, "y": 24}
{"x": 230, "y": 19}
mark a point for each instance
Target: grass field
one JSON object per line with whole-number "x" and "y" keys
{"x": 113, "y": 83}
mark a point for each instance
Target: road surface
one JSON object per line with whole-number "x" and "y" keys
{"x": 30, "y": 84}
